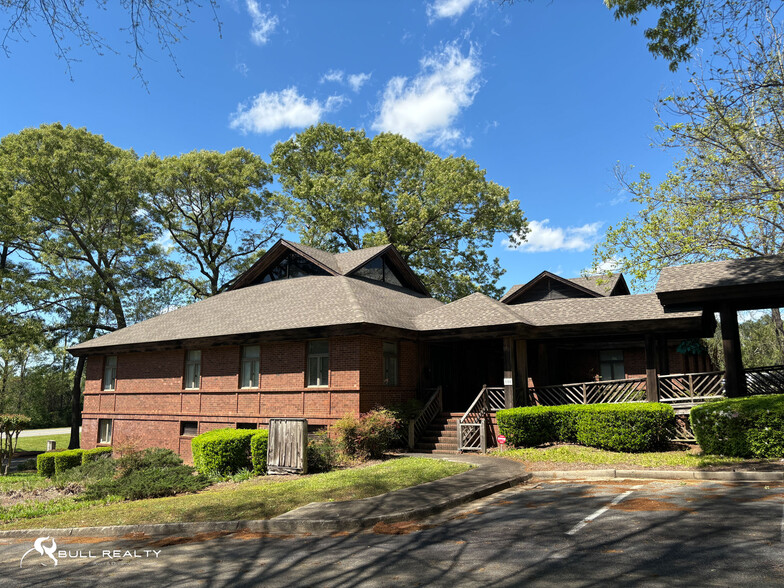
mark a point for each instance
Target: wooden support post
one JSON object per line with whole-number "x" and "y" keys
{"x": 663, "y": 355}
{"x": 509, "y": 372}
{"x": 411, "y": 433}
{"x": 651, "y": 375}
{"x": 483, "y": 435}
{"x": 735, "y": 379}
{"x": 521, "y": 369}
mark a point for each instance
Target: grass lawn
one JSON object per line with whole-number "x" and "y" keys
{"x": 259, "y": 498}
{"x": 38, "y": 443}
{"x": 23, "y": 481}
{"x": 540, "y": 458}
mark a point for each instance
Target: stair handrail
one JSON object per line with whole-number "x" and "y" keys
{"x": 432, "y": 407}
{"x": 479, "y": 397}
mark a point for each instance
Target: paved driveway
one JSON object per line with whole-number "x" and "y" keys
{"x": 596, "y": 533}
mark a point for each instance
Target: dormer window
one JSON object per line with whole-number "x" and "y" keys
{"x": 378, "y": 269}
{"x": 292, "y": 266}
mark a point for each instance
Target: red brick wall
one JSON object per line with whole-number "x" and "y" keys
{"x": 149, "y": 401}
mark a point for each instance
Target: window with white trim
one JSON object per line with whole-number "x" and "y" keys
{"x": 104, "y": 431}
{"x": 249, "y": 367}
{"x": 192, "y": 369}
{"x": 318, "y": 363}
{"x": 110, "y": 372}
{"x": 390, "y": 363}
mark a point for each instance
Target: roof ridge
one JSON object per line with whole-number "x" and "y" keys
{"x": 347, "y": 282}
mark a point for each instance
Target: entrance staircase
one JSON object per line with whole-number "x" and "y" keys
{"x": 440, "y": 436}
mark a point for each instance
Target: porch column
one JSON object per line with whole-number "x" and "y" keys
{"x": 651, "y": 379}
{"x": 735, "y": 379}
{"x": 509, "y": 372}
{"x": 521, "y": 371}
{"x": 663, "y": 354}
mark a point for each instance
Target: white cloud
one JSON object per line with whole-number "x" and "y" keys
{"x": 448, "y": 8}
{"x": 543, "y": 237}
{"x": 356, "y": 81}
{"x": 608, "y": 265}
{"x": 333, "y": 75}
{"x": 425, "y": 108}
{"x": 287, "y": 109}
{"x": 264, "y": 23}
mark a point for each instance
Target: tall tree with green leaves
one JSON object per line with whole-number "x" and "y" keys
{"x": 725, "y": 197}
{"x": 217, "y": 211}
{"x": 350, "y": 191}
{"x": 86, "y": 238}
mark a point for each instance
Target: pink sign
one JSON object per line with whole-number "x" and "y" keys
{"x": 501, "y": 439}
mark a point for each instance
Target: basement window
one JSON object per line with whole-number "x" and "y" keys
{"x": 247, "y": 426}
{"x": 189, "y": 428}
{"x": 104, "y": 431}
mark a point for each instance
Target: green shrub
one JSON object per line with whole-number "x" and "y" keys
{"x": 45, "y": 464}
{"x": 223, "y": 452}
{"x": 370, "y": 435}
{"x": 629, "y": 427}
{"x": 258, "y": 451}
{"x": 151, "y": 473}
{"x": 322, "y": 453}
{"x": 741, "y": 427}
{"x": 97, "y": 453}
{"x": 91, "y": 471}
{"x": 65, "y": 460}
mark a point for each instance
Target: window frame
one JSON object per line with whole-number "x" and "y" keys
{"x": 188, "y": 363}
{"x": 322, "y": 369}
{"x": 255, "y": 373}
{"x": 107, "y": 367}
{"x": 613, "y": 364}
{"x": 110, "y": 428}
{"x": 386, "y": 362}
{"x": 183, "y": 425}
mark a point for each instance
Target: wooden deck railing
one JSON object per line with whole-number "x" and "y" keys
{"x": 472, "y": 426}
{"x": 680, "y": 390}
{"x": 417, "y": 426}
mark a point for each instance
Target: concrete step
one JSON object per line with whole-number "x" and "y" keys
{"x": 437, "y": 451}
{"x": 436, "y": 446}
{"x": 438, "y": 440}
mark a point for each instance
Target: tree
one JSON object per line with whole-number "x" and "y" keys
{"x": 725, "y": 197}
{"x": 67, "y": 21}
{"x": 77, "y": 198}
{"x": 350, "y": 191}
{"x": 216, "y": 209}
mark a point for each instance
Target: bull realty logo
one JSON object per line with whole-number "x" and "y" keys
{"x": 48, "y": 554}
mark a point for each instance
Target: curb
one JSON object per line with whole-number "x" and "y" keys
{"x": 664, "y": 475}
{"x": 299, "y": 520}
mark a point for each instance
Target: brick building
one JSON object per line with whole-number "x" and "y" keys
{"x": 306, "y": 333}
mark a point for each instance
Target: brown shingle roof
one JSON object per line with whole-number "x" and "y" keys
{"x": 734, "y": 272}
{"x": 348, "y": 261}
{"x": 475, "y": 310}
{"x": 593, "y": 283}
{"x": 609, "y": 309}
{"x": 313, "y": 301}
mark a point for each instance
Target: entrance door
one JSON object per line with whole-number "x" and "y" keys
{"x": 463, "y": 367}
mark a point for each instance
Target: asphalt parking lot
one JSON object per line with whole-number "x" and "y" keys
{"x": 597, "y": 533}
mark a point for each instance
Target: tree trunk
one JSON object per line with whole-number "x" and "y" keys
{"x": 76, "y": 404}
{"x": 778, "y": 327}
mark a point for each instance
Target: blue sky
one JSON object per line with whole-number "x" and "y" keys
{"x": 547, "y": 96}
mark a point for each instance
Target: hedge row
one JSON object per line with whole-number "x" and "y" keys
{"x": 226, "y": 451}
{"x": 741, "y": 427}
{"x": 631, "y": 427}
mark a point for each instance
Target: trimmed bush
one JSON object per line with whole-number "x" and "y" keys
{"x": 223, "y": 451}
{"x": 65, "y": 460}
{"x": 258, "y": 451}
{"x": 741, "y": 427}
{"x": 629, "y": 427}
{"x": 97, "y": 453}
{"x": 45, "y": 464}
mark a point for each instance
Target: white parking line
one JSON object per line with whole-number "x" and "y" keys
{"x": 603, "y": 510}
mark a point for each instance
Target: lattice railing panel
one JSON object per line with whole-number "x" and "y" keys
{"x": 470, "y": 436}
{"x": 765, "y": 380}
{"x": 674, "y": 388}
